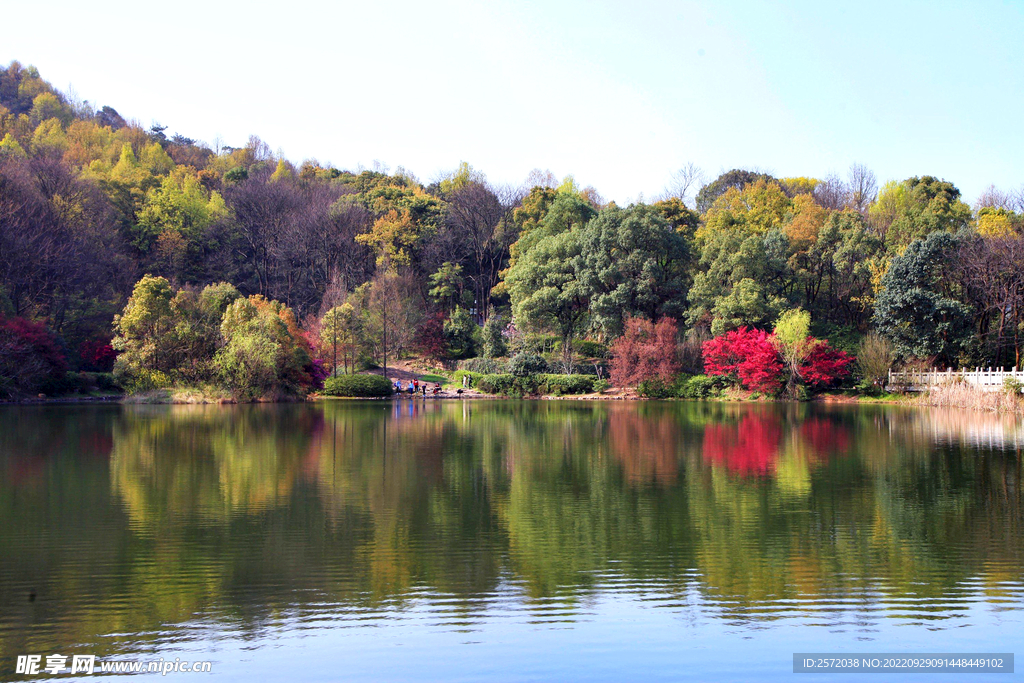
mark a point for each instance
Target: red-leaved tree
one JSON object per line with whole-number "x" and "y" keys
{"x": 29, "y": 355}
{"x": 645, "y": 351}
{"x": 97, "y": 356}
{"x": 751, "y": 358}
{"x": 825, "y": 365}
{"x": 747, "y": 357}
{"x": 430, "y": 337}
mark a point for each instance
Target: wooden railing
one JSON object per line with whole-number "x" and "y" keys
{"x": 922, "y": 380}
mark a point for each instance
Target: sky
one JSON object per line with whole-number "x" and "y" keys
{"x": 617, "y": 94}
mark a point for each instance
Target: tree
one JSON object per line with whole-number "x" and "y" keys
{"x": 388, "y": 315}
{"x": 545, "y": 292}
{"x": 447, "y": 285}
{"x": 461, "y": 334}
{"x": 744, "y": 280}
{"x": 495, "y": 345}
{"x": 632, "y": 262}
{"x": 734, "y": 179}
{"x": 142, "y": 331}
{"x": 792, "y": 339}
{"x": 646, "y": 351}
{"x": 339, "y": 333}
{"x": 30, "y": 356}
{"x": 745, "y": 356}
{"x": 916, "y": 309}
{"x": 759, "y": 207}
{"x": 875, "y": 357}
{"x": 916, "y": 208}
{"x": 264, "y": 352}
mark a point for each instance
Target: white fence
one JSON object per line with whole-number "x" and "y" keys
{"x": 922, "y": 380}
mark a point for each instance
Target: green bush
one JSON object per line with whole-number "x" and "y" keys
{"x": 526, "y": 364}
{"x": 457, "y": 376}
{"x": 602, "y": 385}
{"x": 487, "y": 366}
{"x": 1012, "y": 385}
{"x": 360, "y": 386}
{"x": 699, "y": 386}
{"x": 657, "y": 388}
{"x": 566, "y": 384}
{"x": 508, "y": 385}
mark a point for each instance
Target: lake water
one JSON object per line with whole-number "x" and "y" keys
{"x": 508, "y": 540}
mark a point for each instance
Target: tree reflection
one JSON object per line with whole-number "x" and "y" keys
{"x": 143, "y": 516}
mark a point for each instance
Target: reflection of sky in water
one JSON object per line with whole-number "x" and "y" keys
{"x": 424, "y": 540}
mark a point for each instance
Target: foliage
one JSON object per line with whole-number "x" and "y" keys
{"x": 30, "y": 356}
{"x": 632, "y": 262}
{"x": 359, "y": 386}
{"x": 699, "y": 387}
{"x": 430, "y": 337}
{"x": 557, "y": 385}
{"x": 525, "y": 364}
{"x": 875, "y": 357}
{"x": 747, "y": 357}
{"x": 490, "y": 366}
{"x": 916, "y": 309}
{"x": 646, "y": 351}
{"x": 461, "y": 334}
{"x": 602, "y": 385}
{"x": 494, "y": 343}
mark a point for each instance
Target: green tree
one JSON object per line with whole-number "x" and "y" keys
{"x": 545, "y": 292}
{"x": 495, "y": 345}
{"x": 917, "y": 207}
{"x": 743, "y": 280}
{"x": 916, "y": 309}
{"x": 461, "y": 333}
{"x": 446, "y": 285}
{"x": 795, "y": 345}
{"x": 632, "y": 262}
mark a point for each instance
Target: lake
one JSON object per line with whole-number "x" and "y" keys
{"x": 508, "y": 540}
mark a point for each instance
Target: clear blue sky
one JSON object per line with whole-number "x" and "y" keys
{"x": 617, "y": 94}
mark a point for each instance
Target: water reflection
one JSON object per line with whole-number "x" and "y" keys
{"x": 127, "y": 520}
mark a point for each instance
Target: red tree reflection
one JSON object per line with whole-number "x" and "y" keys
{"x": 750, "y": 447}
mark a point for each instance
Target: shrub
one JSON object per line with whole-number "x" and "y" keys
{"x": 359, "y": 386}
{"x": 489, "y": 366}
{"x": 875, "y": 356}
{"x": 656, "y": 387}
{"x": 645, "y": 352}
{"x": 525, "y": 364}
{"x": 601, "y": 385}
{"x": 1012, "y": 385}
{"x": 699, "y": 387}
{"x": 746, "y": 357}
{"x": 507, "y": 384}
{"x": 97, "y": 356}
{"x": 457, "y": 376}
{"x": 566, "y": 384}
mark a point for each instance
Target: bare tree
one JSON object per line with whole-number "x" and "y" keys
{"x": 862, "y": 187}
{"x": 685, "y": 182}
{"x": 832, "y": 192}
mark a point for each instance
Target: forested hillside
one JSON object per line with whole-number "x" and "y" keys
{"x": 90, "y": 203}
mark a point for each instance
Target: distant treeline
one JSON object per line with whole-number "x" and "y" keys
{"x": 91, "y": 202}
